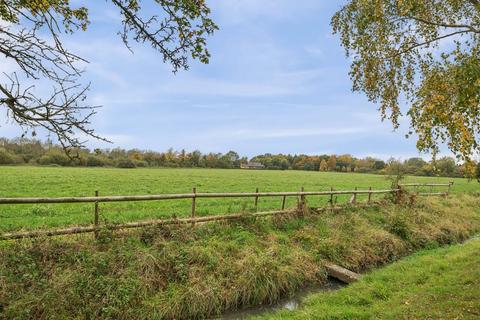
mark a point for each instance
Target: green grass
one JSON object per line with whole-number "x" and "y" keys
{"x": 57, "y": 182}
{"x": 433, "y": 284}
{"x": 190, "y": 273}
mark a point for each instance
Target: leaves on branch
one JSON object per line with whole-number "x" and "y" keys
{"x": 424, "y": 53}
{"x": 30, "y": 36}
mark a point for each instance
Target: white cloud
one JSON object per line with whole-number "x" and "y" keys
{"x": 217, "y": 87}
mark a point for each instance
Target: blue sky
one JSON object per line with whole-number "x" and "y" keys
{"x": 277, "y": 82}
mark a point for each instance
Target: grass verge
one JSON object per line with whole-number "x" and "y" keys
{"x": 432, "y": 284}
{"x": 185, "y": 273}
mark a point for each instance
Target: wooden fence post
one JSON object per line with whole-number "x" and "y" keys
{"x": 331, "y": 197}
{"x": 354, "y": 200}
{"x": 449, "y": 186}
{"x": 283, "y": 202}
{"x": 96, "y": 214}
{"x": 194, "y": 191}
{"x": 256, "y": 200}
{"x": 369, "y": 194}
{"x": 302, "y": 200}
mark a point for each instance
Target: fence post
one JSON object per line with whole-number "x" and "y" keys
{"x": 449, "y": 186}
{"x": 283, "y": 202}
{"x": 369, "y": 194}
{"x": 302, "y": 200}
{"x": 194, "y": 191}
{"x": 354, "y": 200}
{"x": 256, "y": 200}
{"x": 95, "y": 218}
{"x": 331, "y": 197}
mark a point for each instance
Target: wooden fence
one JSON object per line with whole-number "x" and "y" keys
{"x": 416, "y": 188}
{"x": 301, "y": 196}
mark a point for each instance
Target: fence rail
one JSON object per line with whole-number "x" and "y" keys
{"x": 417, "y": 186}
{"x": 301, "y": 196}
{"x": 426, "y": 184}
{"x": 185, "y": 196}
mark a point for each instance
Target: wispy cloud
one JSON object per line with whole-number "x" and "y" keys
{"x": 277, "y": 82}
{"x": 292, "y": 132}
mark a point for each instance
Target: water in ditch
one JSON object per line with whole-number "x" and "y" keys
{"x": 290, "y": 303}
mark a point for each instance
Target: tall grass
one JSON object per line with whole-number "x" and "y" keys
{"x": 191, "y": 273}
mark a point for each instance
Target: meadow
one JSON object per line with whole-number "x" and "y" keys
{"x": 61, "y": 182}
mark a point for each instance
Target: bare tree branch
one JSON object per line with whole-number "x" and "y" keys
{"x": 61, "y": 114}
{"x": 31, "y": 38}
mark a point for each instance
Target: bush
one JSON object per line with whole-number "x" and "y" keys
{"x": 54, "y": 158}
{"x": 141, "y": 163}
{"x": 93, "y": 161}
{"x": 125, "y": 163}
{"x": 6, "y": 157}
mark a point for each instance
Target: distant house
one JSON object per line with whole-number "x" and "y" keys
{"x": 252, "y": 165}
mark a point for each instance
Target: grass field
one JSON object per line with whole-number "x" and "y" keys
{"x": 58, "y": 182}
{"x": 434, "y": 284}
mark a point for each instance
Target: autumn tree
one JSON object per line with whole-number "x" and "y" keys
{"x": 346, "y": 161}
{"x": 32, "y": 37}
{"x": 332, "y": 163}
{"x": 426, "y": 53}
{"x": 323, "y": 165}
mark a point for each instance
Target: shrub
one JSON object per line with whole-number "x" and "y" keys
{"x": 54, "y": 158}
{"x": 6, "y": 157}
{"x": 141, "y": 163}
{"x": 125, "y": 163}
{"x": 93, "y": 161}
{"x": 398, "y": 225}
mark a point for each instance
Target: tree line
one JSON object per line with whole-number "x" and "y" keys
{"x": 20, "y": 151}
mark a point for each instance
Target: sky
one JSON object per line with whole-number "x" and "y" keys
{"x": 277, "y": 82}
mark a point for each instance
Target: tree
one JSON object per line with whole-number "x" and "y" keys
{"x": 332, "y": 163}
{"x": 446, "y": 166}
{"x": 31, "y": 37}
{"x": 323, "y": 165}
{"x": 347, "y": 161}
{"x": 379, "y": 164}
{"x": 364, "y": 165}
{"x": 426, "y": 52}
{"x": 414, "y": 165}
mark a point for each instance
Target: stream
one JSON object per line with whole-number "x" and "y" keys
{"x": 290, "y": 303}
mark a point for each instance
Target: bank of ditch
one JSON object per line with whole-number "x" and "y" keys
{"x": 185, "y": 273}
{"x": 441, "y": 283}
